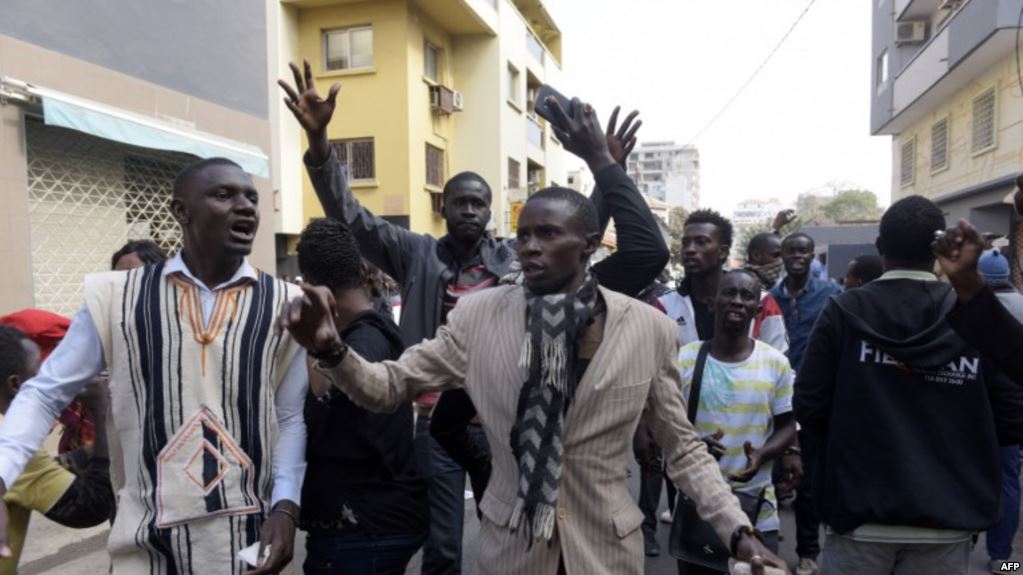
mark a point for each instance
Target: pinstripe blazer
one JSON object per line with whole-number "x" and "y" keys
{"x": 633, "y": 369}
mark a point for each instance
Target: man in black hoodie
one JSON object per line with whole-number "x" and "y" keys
{"x": 363, "y": 504}
{"x": 902, "y": 408}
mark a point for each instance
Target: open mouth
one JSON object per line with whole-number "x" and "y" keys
{"x": 243, "y": 231}
{"x": 733, "y": 315}
{"x": 532, "y": 269}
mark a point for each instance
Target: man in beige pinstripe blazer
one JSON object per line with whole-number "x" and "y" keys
{"x": 628, "y": 353}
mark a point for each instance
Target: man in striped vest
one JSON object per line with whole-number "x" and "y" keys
{"x": 206, "y": 398}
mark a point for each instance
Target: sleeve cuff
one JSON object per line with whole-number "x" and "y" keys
{"x": 609, "y": 175}
{"x": 9, "y": 472}
{"x": 313, "y": 167}
{"x": 286, "y": 490}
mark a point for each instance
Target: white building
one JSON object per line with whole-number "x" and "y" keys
{"x": 580, "y": 180}
{"x": 667, "y": 172}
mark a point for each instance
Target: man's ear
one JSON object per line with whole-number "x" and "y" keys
{"x": 726, "y": 252}
{"x": 592, "y": 243}
{"x": 11, "y": 385}
{"x": 879, "y": 246}
{"x": 180, "y": 211}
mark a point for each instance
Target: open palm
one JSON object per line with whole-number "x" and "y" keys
{"x": 312, "y": 112}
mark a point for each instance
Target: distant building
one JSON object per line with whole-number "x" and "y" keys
{"x": 945, "y": 87}
{"x": 667, "y": 172}
{"x": 580, "y": 180}
{"x": 755, "y": 212}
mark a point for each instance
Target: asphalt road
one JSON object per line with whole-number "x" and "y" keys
{"x": 55, "y": 549}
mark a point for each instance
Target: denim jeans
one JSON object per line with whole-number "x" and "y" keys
{"x": 807, "y": 523}
{"x": 359, "y": 554}
{"x": 442, "y": 553}
{"x": 999, "y": 537}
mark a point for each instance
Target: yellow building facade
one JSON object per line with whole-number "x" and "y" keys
{"x": 427, "y": 91}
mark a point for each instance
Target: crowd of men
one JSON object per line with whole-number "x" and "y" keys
{"x": 212, "y": 410}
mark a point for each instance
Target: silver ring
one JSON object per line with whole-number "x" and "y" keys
{"x": 756, "y": 558}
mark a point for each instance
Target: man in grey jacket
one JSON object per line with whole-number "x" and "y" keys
{"x": 435, "y": 273}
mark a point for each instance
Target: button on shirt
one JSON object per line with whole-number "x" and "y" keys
{"x": 801, "y": 311}
{"x": 79, "y": 357}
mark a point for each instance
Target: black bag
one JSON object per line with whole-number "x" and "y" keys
{"x": 692, "y": 539}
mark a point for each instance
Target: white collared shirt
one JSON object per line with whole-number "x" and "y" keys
{"x": 79, "y": 357}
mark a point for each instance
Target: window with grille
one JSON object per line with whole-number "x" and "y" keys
{"x": 348, "y": 48}
{"x": 357, "y": 158}
{"x": 984, "y": 121}
{"x": 434, "y": 166}
{"x": 907, "y": 163}
{"x": 86, "y": 197}
{"x": 514, "y": 169}
{"x": 431, "y": 62}
{"x": 939, "y": 145}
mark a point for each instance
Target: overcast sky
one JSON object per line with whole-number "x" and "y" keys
{"x": 802, "y": 123}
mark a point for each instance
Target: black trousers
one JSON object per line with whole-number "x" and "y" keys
{"x": 650, "y": 478}
{"x": 807, "y": 522}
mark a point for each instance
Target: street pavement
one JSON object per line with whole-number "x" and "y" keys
{"x": 55, "y": 549}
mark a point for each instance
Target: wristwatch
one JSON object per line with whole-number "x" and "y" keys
{"x": 332, "y": 356}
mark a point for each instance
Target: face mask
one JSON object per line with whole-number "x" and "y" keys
{"x": 768, "y": 273}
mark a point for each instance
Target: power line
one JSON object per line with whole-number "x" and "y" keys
{"x": 752, "y": 77}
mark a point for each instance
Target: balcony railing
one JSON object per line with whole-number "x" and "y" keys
{"x": 534, "y": 47}
{"x": 534, "y": 131}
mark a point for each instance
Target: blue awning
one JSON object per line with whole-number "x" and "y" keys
{"x": 104, "y": 121}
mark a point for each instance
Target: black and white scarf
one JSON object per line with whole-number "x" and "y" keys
{"x": 554, "y": 326}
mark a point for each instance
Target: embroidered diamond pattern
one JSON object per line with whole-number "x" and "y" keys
{"x": 196, "y": 465}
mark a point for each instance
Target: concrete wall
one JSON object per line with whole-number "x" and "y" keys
{"x": 210, "y": 49}
{"x": 287, "y": 172}
{"x": 50, "y": 69}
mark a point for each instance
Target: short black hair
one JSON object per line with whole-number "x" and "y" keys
{"x": 712, "y": 217}
{"x": 191, "y": 170}
{"x": 585, "y": 211}
{"x": 146, "y": 250}
{"x": 867, "y": 267}
{"x": 744, "y": 271}
{"x": 465, "y": 178}
{"x": 328, "y": 255}
{"x": 13, "y": 359}
{"x": 907, "y": 230}
{"x": 759, "y": 242}
{"x": 799, "y": 236}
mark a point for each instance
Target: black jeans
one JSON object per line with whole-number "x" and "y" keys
{"x": 650, "y": 478}
{"x": 807, "y": 523}
{"x": 442, "y": 553}
{"x": 359, "y": 554}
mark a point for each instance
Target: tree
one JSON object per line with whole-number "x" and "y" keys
{"x": 746, "y": 233}
{"x": 676, "y": 225}
{"x": 848, "y": 205}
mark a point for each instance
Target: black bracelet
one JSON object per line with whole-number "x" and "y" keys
{"x": 737, "y": 535}
{"x": 330, "y": 357}
{"x": 287, "y": 512}
{"x": 793, "y": 451}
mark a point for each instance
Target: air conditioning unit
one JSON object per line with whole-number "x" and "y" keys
{"x": 457, "y": 102}
{"x": 442, "y": 99}
{"x": 912, "y": 32}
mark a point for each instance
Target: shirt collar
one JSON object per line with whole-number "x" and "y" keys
{"x": 908, "y": 275}
{"x": 245, "y": 272}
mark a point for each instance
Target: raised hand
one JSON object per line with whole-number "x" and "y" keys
{"x": 782, "y": 219}
{"x": 581, "y": 134}
{"x": 620, "y": 142}
{"x": 312, "y": 112}
{"x": 310, "y": 319}
{"x": 958, "y": 250}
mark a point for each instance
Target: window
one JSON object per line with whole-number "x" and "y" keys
{"x": 434, "y": 166}
{"x": 882, "y": 70}
{"x": 514, "y": 169}
{"x": 939, "y": 145}
{"x": 984, "y": 122}
{"x": 431, "y": 62}
{"x": 348, "y": 48}
{"x": 512, "y": 85}
{"x": 907, "y": 163}
{"x": 357, "y": 158}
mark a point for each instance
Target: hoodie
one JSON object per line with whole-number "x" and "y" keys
{"x": 361, "y": 475}
{"x": 903, "y": 409}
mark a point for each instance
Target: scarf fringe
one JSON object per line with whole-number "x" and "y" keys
{"x": 542, "y": 525}
{"x": 526, "y": 357}
{"x": 555, "y": 362}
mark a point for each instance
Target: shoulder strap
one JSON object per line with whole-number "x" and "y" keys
{"x": 694, "y": 387}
